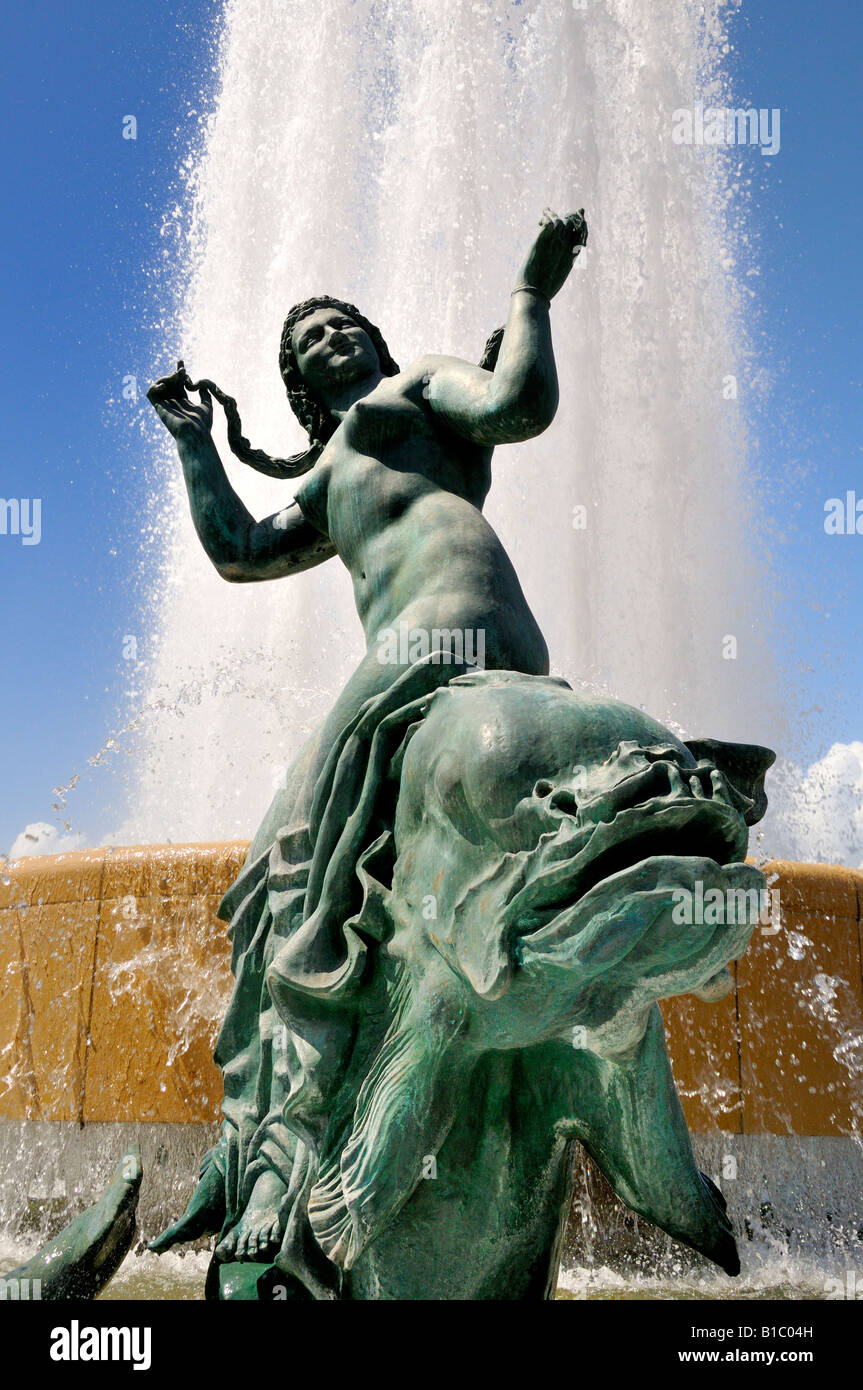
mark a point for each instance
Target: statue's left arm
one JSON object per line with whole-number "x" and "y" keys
{"x": 519, "y": 398}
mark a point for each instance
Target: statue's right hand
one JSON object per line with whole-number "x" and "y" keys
{"x": 178, "y": 413}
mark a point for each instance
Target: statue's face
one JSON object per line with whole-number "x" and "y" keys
{"x": 332, "y": 350}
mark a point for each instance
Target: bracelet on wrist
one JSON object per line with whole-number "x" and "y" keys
{"x": 531, "y": 289}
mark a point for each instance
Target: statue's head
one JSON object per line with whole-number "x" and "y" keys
{"x": 327, "y": 343}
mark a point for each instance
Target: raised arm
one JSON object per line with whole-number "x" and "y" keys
{"x": 241, "y": 548}
{"x": 519, "y": 399}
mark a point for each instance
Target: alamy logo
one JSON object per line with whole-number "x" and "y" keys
{"x": 21, "y": 516}
{"x": 734, "y": 906}
{"x": 76, "y": 1343}
{"x": 445, "y": 645}
{"x": 20, "y": 1290}
{"x": 725, "y": 125}
{"x": 844, "y": 515}
{"x": 851, "y": 1287}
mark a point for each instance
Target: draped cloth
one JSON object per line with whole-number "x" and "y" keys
{"x": 305, "y": 916}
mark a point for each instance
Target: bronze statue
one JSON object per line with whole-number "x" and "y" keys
{"x": 398, "y": 469}
{"x": 454, "y": 923}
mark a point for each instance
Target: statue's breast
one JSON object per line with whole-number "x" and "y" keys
{"x": 387, "y": 415}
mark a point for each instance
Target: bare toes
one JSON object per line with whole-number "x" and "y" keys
{"x": 226, "y": 1248}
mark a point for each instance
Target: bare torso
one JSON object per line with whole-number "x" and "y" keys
{"x": 399, "y": 495}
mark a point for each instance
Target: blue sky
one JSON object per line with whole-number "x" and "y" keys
{"x": 806, "y": 211}
{"x": 79, "y": 235}
{"x": 80, "y": 245}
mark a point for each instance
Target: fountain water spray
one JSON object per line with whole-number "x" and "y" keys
{"x": 398, "y": 153}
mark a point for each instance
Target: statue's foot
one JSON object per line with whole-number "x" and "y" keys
{"x": 258, "y": 1233}
{"x": 204, "y": 1216}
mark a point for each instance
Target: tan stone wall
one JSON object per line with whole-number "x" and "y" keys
{"x": 114, "y": 977}
{"x": 114, "y": 974}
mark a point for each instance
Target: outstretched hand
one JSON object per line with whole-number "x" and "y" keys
{"x": 179, "y": 414}
{"x": 551, "y": 257}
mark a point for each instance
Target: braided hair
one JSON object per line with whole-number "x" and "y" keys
{"x": 312, "y": 414}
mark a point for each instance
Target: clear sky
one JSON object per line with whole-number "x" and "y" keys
{"x": 80, "y": 242}
{"x": 806, "y": 210}
{"x": 81, "y": 247}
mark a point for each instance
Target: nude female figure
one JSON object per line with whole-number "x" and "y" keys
{"x": 396, "y": 491}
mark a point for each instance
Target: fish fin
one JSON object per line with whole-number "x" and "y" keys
{"x": 636, "y": 1134}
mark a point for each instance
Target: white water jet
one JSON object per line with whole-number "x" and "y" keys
{"x": 399, "y": 153}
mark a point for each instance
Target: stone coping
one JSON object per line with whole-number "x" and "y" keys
{"x": 114, "y": 976}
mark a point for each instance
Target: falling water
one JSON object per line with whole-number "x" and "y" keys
{"x": 399, "y": 154}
